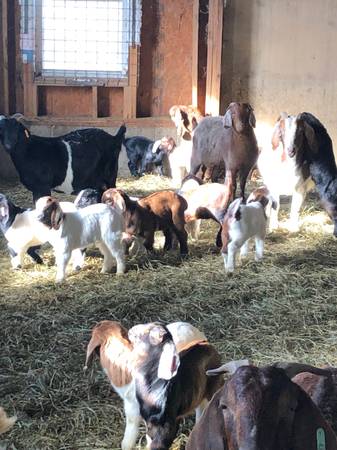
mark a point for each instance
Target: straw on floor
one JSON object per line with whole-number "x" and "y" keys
{"x": 281, "y": 309}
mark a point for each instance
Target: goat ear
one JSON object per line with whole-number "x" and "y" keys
{"x": 275, "y": 139}
{"x": 169, "y": 362}
{"x": 227, "y": 120}
{"x": 56, "y": 216}
{"x": 309, "y": 427}
{"x": 252, "y": 119}
{"x": 310, "y": 135}
{"x": 94, "y": 343}
{"x": 229, "y": 367}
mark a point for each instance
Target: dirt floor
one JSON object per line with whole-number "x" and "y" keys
{"x": 281, "y": 309}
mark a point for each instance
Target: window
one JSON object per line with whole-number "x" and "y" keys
{"x": 81, "y": 39}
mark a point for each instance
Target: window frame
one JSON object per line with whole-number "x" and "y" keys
{"x": 61, "y": 77}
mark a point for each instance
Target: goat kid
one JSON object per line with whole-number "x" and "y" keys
{"x": 115, "y": 351}
{"x": 169, "y": 385}
{"x": 241, "y": 223}
{"x": 99, "y": 224}
{"x": 24, "y": 233}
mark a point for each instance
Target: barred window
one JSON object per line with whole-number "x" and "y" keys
{"x": 80, "y": 39}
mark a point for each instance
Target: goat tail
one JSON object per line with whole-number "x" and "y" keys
{"x": 120, "y": 136}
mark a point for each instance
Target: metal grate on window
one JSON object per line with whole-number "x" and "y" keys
{"x": 79, "y": 39}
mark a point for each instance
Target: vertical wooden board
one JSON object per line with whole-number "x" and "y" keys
{"x": 94, "y": 102}
{"x": 130, "y": 91}
{"x": 30, "y": 91}
{"x": 214, "y": 47}
{"x": 4, "y": 44}
{"x": 195, "y": 53}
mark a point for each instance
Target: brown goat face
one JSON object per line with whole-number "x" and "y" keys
{"x": 259, "y": 408}
{"x": 239, "y": 116}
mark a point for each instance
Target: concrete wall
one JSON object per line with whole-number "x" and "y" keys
{"x": 280, "y": 56}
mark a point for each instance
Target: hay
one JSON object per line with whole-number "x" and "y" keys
{"x": 281, "y": 309}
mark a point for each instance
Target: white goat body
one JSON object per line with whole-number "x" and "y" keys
{"x": 241, "y": 223}
{"x": 97, "y": 224}
{"x": 27, "y": 231}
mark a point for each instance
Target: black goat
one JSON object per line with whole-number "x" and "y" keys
{"x": 80, "y": 159}
{"x": 144, "y": 155}
{"x": 311, "y": 145}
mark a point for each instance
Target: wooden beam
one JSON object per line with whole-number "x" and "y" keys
{"x": 130, "y": 91}
{"x": 4, "y": 44}
{"x": 195, "y": 46}
{"x": 94, "y": 102}
{"x": 214, "y": 48}
{"x": 29, "y": 91}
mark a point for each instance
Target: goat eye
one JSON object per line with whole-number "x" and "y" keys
{"x": 223, "y": 407}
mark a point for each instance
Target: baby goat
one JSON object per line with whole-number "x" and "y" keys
{"x": 159, "y": 211}
{"x": 241, "y": 223}
{"x": 115, "y": 350}
{"x": 24, "y": 233}
{"x": 170, "y": 385}
{"x": 96, "y": 224}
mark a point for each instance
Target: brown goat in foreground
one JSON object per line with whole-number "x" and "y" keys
{"x": 262, "y": 409}
{"x": 159, "y": 211}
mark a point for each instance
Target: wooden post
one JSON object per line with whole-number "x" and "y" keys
{"x": 214, "y": 47}
{"x": 4, "y": 45}
{"x": 29, "y": 91}
{"x": 195, "y": 45}
{"x": 130, "y": 91}
{"x": 94, "y": 102}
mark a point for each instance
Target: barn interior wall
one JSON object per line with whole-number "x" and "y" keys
{"x": 279, "y": 56}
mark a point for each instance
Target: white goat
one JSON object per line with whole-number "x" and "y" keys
{"x": 115, "y": 350}
{"x": 241, "y": 223}
{"x": 280, "y": 174}
{"x": 22, "y": 231}
{"x": 98, "y": 224}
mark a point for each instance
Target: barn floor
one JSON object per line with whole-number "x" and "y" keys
{"x": 281, "y": 309}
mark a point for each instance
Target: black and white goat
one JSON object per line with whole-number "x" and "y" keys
{"x": 170, "y": 385}
{"x": 99, "y": 224}
{"x": 69, "y": 163}
{"x": 145, "y": 154}
{"x": 116, "y": 356}
{"x": 311, "y": 146}
{"x": 24, "y": 233}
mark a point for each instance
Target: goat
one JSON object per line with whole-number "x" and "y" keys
{"x": 86, "y": 197}
{"x": 322, "y": 390}
{"x": 69, "y": 163}
{"x": 24, "y": 233}
{"x": 170, "y": 385}
{"x": 280, "y": 174}
{"x": 99, "y": 224}
{"x": 162, "y": 210}
{"x": 188, "y": 185}
{"x": 311, "y": 147}
{"x": 144, "y": 154}
{"x": 241, "y": 223}
{"x": 115, "y": 351}
{"x": 6, "y": 422}
{"x": 261, "y": 409}
{"x": 230, "y": 141}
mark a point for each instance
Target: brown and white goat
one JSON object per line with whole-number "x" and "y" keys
{"x": 6, "y": 422}
{"x": 241, "y": 223}
{"x": 159, "y": 211}
{"x": 116, "y": 357}
{"x": 170, "y": 385}
{"x": 261, "y": 409}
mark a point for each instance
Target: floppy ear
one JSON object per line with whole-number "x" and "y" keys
{"x": 276, "y": 136}
{"x": 6, "y": 422}
{"x": 56, "y": 216}
{"x": 310, "y": 135}
{"x": 95, "y": 342}
{"x": 252, "y": 119}
{"x": 309, "y": 429}
{"x": 227, "y": 120}
{"x": 169, "y": 362}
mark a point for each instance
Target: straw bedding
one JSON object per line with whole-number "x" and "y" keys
{"x": 281, "y": 309}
